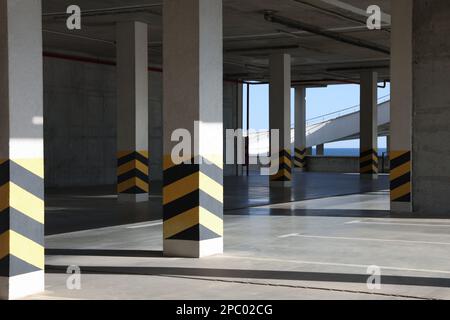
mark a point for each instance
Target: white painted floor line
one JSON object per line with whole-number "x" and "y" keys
{"x": 336, "y": 264}
{"x": 145, "y": 225}
{"x": 288, "y": 235}
{"x": 399, "y": 224}
{"x": 364, "y": 239}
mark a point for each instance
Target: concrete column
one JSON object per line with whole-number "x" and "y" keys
{"x": 320, "y": 150}
{"x": 193, "y": 92}
{"x": 300, "y": 129}
{"x": 132, "y": 111}
{"x": 280, "y": 115}
{"x": 401, "y": 105}
{"x": 388, "y": 144}
{"x": 369, "y": 125}
{"x": 239, "y": 125}
{"x": 21, "y": 149}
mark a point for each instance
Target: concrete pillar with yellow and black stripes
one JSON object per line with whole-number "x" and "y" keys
{"x": 192, "y": 116}
{"x": 132, "y": 115}
{"x": 369, "y": 125}
{"x": 280, "y": 117}
{"x": 400, "y": 152}
{"x": 300, "y": 150}
{"x": 21, "y": 150}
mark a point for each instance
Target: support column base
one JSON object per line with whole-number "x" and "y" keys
{"x": 17, "y": 287}
{"x": 401, "y": 207}
{"x": 280, "y": 184}
{"x": 136, "y": 198}
{"x": 193, "y": 249}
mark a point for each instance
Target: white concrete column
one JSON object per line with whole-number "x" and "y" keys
{"x": 239, "y": 125}
{"x": 401, "y": 105}
{"x": 369, "y": 125}
{"x": 388, "y": 144}
{"x": 193, "y": 110}
{"x": 300, "y": 129}
{"x": 21, "y": 149}
{"x": 132, "y": 111}
{"x": 280, "y": 115}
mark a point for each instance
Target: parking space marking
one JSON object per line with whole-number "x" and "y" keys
{"x": 399, "y": 224}
{"x": 336, "y": 264}
{"x": 362, "y": 239}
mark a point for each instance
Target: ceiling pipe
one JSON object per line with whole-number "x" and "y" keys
{"x": 55, "y": 55}
{"x": 330, "y": 12}
{"x": 68, "y": 57}
{"x": 384, "y": 85}
{"x": 259, "y": 49}
{"x": 344, "y": 5}
{"x": 336, "y": 14}
{"x": 89, "y": 38}
{"x": 361, "y": 68}
{"x": 104, "y": 11}
{"x": 271, "y": 17}
{"x": 280, "y": 32}
{"x": 64, "y": 34}
{"x": 63, "y": 56}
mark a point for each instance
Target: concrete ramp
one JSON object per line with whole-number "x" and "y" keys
{"x": 344, "y": 127}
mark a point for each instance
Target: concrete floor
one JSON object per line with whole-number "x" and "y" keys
{"x": 78, "y": 209}
{"x": 304, "y": 249}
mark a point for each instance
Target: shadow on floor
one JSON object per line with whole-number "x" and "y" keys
{"x": 104, "y": 253}
{"x": 346, "y": 213}
{"x": 255, "y": 274}
{"x": 313, "y": 213}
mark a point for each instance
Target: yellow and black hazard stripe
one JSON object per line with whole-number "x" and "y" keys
{"x": 285, "y": 168}
{"x": 368, "y": 162}
{"x": 21, "y": 216}
{"x": 400, "y": 176}
{"x": 132, "y": 172}
{"x": 300, "y": 158}
{"x": 192, "y": 201}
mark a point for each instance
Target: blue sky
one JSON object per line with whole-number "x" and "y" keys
{"x": 319, "y": 101}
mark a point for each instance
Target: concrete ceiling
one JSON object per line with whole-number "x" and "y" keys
{"x": 249, "y": 38}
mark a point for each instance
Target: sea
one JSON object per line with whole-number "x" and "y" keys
{"x": 350, "y": 152}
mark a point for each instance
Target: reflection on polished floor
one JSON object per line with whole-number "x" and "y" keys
{"x": 78, "y": 209}
{"x": 366, "y": 201}
{"x": 304, "y": 244}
